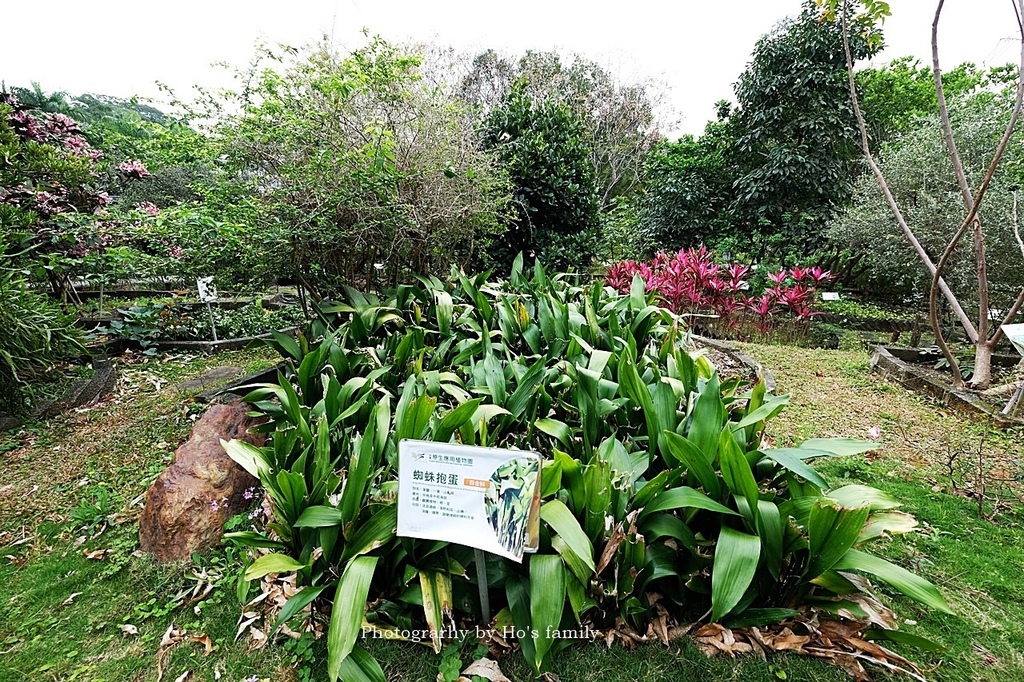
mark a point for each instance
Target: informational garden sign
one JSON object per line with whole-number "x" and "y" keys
{"x": 1015, "y": 333}
{"x": 486, "y": 498}
{"x": 207, "y": 292}
{"x": 830, "y": 295}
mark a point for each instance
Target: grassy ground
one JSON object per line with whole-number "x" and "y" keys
{"x": 72, "y": 486}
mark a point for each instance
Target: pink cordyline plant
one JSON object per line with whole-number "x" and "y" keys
{"x": 692, "y": 282}
{"x": 134, "y": 169}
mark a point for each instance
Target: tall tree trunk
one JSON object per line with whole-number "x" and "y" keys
{"x": 982, "y": 376}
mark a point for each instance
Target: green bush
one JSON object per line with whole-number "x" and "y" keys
{"x": 920, "y": 175}
{"x": 656, "y": 478}
{"x": 542, "y": 146}
{"x": 170, "y": 321}
{"x": 36, "y": 333}
{"x": 367, "y": 170}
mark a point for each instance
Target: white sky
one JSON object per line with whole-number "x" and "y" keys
{"x": 121, "y": 47}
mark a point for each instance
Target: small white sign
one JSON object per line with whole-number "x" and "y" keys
{"x": 486, "y": 498}
{"x": 830, "y": 295}
{"x": 1015, "y": 333}
{"x": 207, "y": 292}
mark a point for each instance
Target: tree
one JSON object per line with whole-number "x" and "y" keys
{"x": 688, "y": 190}
{"x": 368, "y": 170}
{"x": 918, "y": 170}
{"x": 619, "y": 118}
{"x": 984, "y": 336}
{"x": 893, "y": 97}
{"x": 796, "y": 144}
{"x": 541, "y": 145}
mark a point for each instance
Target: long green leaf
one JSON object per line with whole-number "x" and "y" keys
{"x": 299, "y": 601}
{"x": 787, "y": 460}
{"x": 547, "y": 600}
{"x": 377, "y": 530}
{"x": 763, "y": 413}
{"x": 556, "y": 429}
{"x": 707, "y": 419}
{"x": 272, "y": 563}
{"x": 360, "y": 666}
{"x": 736, "y": 556}
{"x": 444, "y": 310}
{"x": 320, "y": 517}
{"x": 347, "y": 613}
{"x": 863, "y": 496}
{"x": 558, "y": 516}
{"x": 695, "y": 461}
{"x": 912, "y": 585}
{"x": 737, "y": 473}
{"x": 769, "y": 528}
{"x": 247, "y": 456}
{"x": 684, "y": 498}
{"x": 831, "y": 531}
{"x": 517, "y": 591}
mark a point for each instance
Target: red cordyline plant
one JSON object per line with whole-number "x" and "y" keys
{"x": 692, "y": 282}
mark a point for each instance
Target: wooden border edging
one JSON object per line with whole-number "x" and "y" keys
{"x": 922, "y": 380}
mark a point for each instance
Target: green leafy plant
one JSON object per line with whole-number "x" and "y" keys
{"x": 656, "y": 476}
{"x": 36, "y": 334}
{"x": 92, "y": 515}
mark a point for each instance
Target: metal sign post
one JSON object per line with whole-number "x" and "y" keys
{"x": 485, "y": 498}
{"x": 481, "y": 579}
{"x": 208, "y": 295}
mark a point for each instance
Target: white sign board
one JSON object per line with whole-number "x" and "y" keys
{"x": 486, "y": 498}
{"x": 830, "y": 295}
{"x": 1015, "y": 333}
{"x": 207, "y": 292}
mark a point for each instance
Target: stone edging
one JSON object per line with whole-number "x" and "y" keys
{"x": 235, "y": 388}
{"x": 924, "y": 381}
{"x": 769, "y": 380}
{"x": 102, "y": 382}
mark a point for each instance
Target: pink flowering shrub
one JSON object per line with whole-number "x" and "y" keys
{"x": 134, "y": 169}
{"x": 693, "y": 283}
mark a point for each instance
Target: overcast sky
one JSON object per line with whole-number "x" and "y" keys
{"x": 122, "y": 48}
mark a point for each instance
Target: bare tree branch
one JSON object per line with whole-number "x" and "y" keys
{"x": 972, "y": 216}
{"x": 958, "y": 310}
{"x": 947, "y": 129}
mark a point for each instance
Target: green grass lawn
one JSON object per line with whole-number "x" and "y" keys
{"x": 64, "y": 616}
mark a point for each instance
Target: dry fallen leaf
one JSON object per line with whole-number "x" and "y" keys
{"x": 70, "y": 599}
{"x": 171, "y": 636}
{"x": 245, "y": 625}
{"x": 129, "y": 629}
{"x": 485, "y": 668}
{"x": 205, "y": 641}
{"x": 184, "y": 676}
{"x": 96, "y": 555}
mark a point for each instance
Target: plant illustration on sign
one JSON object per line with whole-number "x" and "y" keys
{"x": 508, "y": 500}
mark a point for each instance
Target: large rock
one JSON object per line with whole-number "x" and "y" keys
{"x": 187, "y": 505}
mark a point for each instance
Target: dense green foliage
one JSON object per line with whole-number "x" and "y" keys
{"x": 895, "y": 97}
{"x": 656, "y": 477}
{"x": 362, "y": 167}
{"x": 762, "y": 179}
{"x": 921, "y": 177}
{"x": 795, "y": 141}
{"x": 619, "y": 118}
{"x": 36, "y": 333}
{"x": 542, "y": 146}
{"x": 689, "y": 189}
